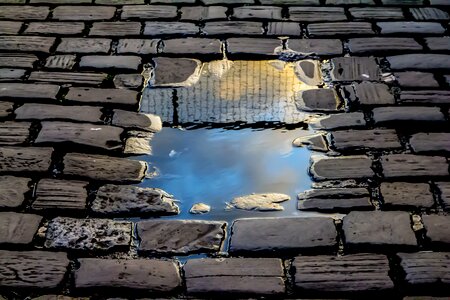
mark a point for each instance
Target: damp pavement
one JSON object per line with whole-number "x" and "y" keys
{"x": 347, "y": 102}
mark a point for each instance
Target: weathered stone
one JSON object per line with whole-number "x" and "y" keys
{"x": 13, "y": 191}
{"x": 176, "y": 71}
{"x": 24, "y": 12}
{"x": 115, "y": 29}
{"x": 257, "y": 12}
{"x": 438, "y": 43}
{"x": 84, "y": 45}
{"x": 309, "y": 71}
{"x": 407, "y": 113}
{"x": 87, "y": 234}
{"x": 148, "y": 12}
{"x": 83, "y": 13}
{"x": 425, "y": 96}
{"x": 58, "y": 297}
{"x": 416, "y": 79}
{"x": 261, "y": 202}
{"x": 127, "y": 199}
{"x": 104, "y": 168}
{"x": 332, "y": 199}
{"x": 200, "y": 13}
{"x": 32, "y": 269}
{"x": 444, "y": 188}
{"x": 316, "y": 46}
{"x": 399, "y": 165}
{"x": 354, "y": 68}
{"x": 60, "y": 62}
{"x": 426, "y": 268}
{"x": 437, "y": 228}
{"x": 368, "y": 93}
{"x": 283, "y": 28}
{"x": 427, "y": 142}
{"x": 28, "y": 90}
{"x": 209, "y": 2}
{"x": 21, "y": 159}
{"x": 383, "y": 44}
{"x": 14, "y": 133}
{"x": 137, "y": 46}
{"x": 60, "y": 194}
{"x": 406, "y": 194}
{"x": 233, "y": 28}
{"x": 262, "y": 276}
{"x": 63, "y": 28}
{"x": 335, "y": 121}
{"x": 167, "y": 28}
{"x": 180, "y": 236}
{"x": 410, "y": 28}
{"x": 30, "y": 111}
{"x": 318, "y": 100}
{"x": 10, "y": 27}
{"x": 150, "y": 275}
{"x": 377, "y": 228}
{"x": 345, "y": 167}
{"x": 111, "y": 62}
{"x": 275, "y": 234}
{"x": 11, "y": 74}
{"x": 290, "y": 2}
{"x": 429, "y": 13}
{"x": 6, "y": 108}
{"x": 142, "y": 121}
{"x": 137, "y": 146}
{"x": 253, "y": 46}
{"x": 17, "y": 60}
{"x": 340, "y": 29}
{"x": 104, "y": 96}
{"x": 376, "y": 13}
{"x": 200, "y": 208}
{"x": 192, "y": 45}
{"x": 419, "y": 61}
{"x": 316, "y": 14}
{"x": 315, "y": 142}
{"x": 128, "y": 80}
{"x": 68, "y": 77}
{"x": 16, "y": 228}
{"x": 360, "y": 139}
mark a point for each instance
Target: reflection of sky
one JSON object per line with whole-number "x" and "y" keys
{"x": 213, "y": 166}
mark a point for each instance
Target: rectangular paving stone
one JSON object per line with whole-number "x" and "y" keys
{"x": 377, "y": 13}
{"x": 316, "y": 46}
{"x": 316, "y": 14}
{"x": 150, "y": 275}
{"x": 115, "y": 29}
{"x": 253, "y": 46}
{"x": 10, "y": 27}
{"x": 355, "y": 68}
{"x": 84, "y": 45}
{"x": 104, "y": 168}
{"x": 425, "y": 96}
{"x": 66, "y": 62}
{"x": 25, "y": 159}
{"x": 128, "y": 81}
{"x": 340, "y": 29}
{"x": 24, "y": 12}
{"x": 368, "y": 93}
{"x": 32, "y": 269}
{"x": 119, "y": 2}
{"x": 425, "y": 268}
{"x": 419, "y": 61}
{"x": 102, "y": 96}
{"x": 345, "y": 167}
{"x": 192, "y": 46}
{"x": 408, "y": 165}
{"x": 200, "y": 13}
{"x": 20, "y": 60}
{"x": 436, "y": 227}
{"x": 138, "y": 46}
{"x": 181, "y": 236}
{"x": 360, "y": 139}
{"x": 429, "y": 28}
{"x": 343, "y": 274}
{"x": 33, "y": 111}
{"x": 26, "y": 43}
{"x": 378, "y": 228}
{"x": 320, "y": 100}
{"x": 6, "y": 108}
{"x": 14, "y": 133}
{"x": 209, "y": 2}
{"x": 383, "y": 44}
{"x": 407, "y": 113}
{"x": 13, "y": 191}
{"x": 233, "y": 28}
{"x": 438, "y": 43}
{"x": 60, "y": 28}
{"x": 88, "y": 234}
{"x": 444, "y": 188}
{"x": 68, "y": 77}
{"x": 428, "y": 142}
{"x": 429, "y": 13}
{"x": 335, "y": 199}
{"x": 406, "y": 194}
{"x": 111, "y": 62}
{"x": 148, "y": 12}
{"x": 257, "y": 12}
{"x": 263, "y": 276}
{"x": 28, "y": 90}
{"x": 83, "y": 13}
{"x": 129, "y": 119}
{"x": 60, "y": 194}
{"x": 18, "y": 228}
{"x": 11, "y": 74}
{"x": 290, "y": 2}
{"x": 169, "y": 28}
{"x": 416, "y": 79}
{"x": 283, "y": 28}
{"x": 275, "y": 234}
{"x": 335, "y": 121}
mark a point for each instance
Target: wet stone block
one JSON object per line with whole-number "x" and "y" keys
{"x": 283, "y": 28}
{"x": 102, "y": 96}
{"x": 262, "y": 276}
{"x": 233, "y": 28}
{"x": 340, "y": 29}
{"x": 384, "y": 229}
{"x": 335, "y": 199}
{"x": 84, "y": 45}
{"x": 416, "y": 28}
{"x": 408, "y": 165}
{"x": 253, "y": 46}
{"x": 438, "y": 43}
{"x": 180, "y": 236}
{"x": 115, "y": 29}
{"x": 437, "y": 228}
{"x": 276, "y": 234}
{"x": 425, "y": 96}
{"x": 403, "y": 114}
{"x": 60, "y": 194}
{"x": 32, "y": 269}
{"x": 28, "y": 91}
{"x": 17, "y": 228}
{"x": 352, "y": 273}
{"x": 33, "y": 111}
{"x": 60, "y": 62}
{"x": 354, "y": 68}
{"x": 128, "y": 80}
{"x": 167, "y": 28}
{"x": 83, "y": 13}
{"x": 318, "y": 100}
{"x": 148, "y": 12}
{"x": 192, "y": 46}
{"x": 68, "y": 78}
{"x": 406, "y": 194}
{"x": 360, "y": 139}
{"x": 19, "y": 60}
{"x": 175, "y": 71}
{"x": 316, "y": 14}
{"x": 416, "y": 79}
{"x": 309, "y": 71}
{"x": 345, "y": 167}
{"x": 382, "y": 44}
{"x": 150, "y": 275}
{"x": 316, "y": 46}
{"x": 88, "y": 234}
{"x": 428, "y": 142}
{"x": 129, "y": 119}
{"x": 257, "y": 12}
{"x": 424, "y": 268}
{"x": 335, "y": 121}
{"x": 137, "y": 46}
{"x": 11, "y": 74}
{"x": 368, "y": 93}
{"x": 126, "y": 199}
{"x": 19, "y": 159}
{"x": 419, "y": 61}
{"x": 14, "y": 133}
{"x": 111, "y": 62}
{"x": 376, "y": 13}
{"x": 60, "y": 28}
{"x": 13, "y": 191}
{"x": 429, "y": 13}
{"x": 104, "y": 168}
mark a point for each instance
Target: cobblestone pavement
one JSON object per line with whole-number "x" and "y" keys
{"x": 70, "y": 90}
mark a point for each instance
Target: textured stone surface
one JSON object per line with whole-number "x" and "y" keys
{"x": 257, "y": 12}
{"x": 13, "y": 190}
{"x": 426, "y": 267}
{"x": 14, "y": 133}
{"x": 403, "y": 114}
{"x": 345, "y": 167}
{"x": 105, "y": 96}
{"x": 335, "y": 121}
{"x": 17, "y": 228}
{"x": 60, "y": 194}
{"x": 175, "y": 71}
{"x": 406, "y": 194}
{"x": 30, "y": 111}
{"x": 315, "y": 142}
{"x": 416, "y": 79}
{"x": 192, "y": 45}
{"x": 419, "y": 61}
{"x": 253, "y": 46}
{"x": 198, "y": 13}
{"x": 66, "y": 62}
{"x": 340, "y": 29}
{"x": 261, "y": 202}
{"x": 26, "y": 90}
{"x": 85, "y": 13}
{"x": 316, "y": 46}
{"x": 169, "y": 28}
{"x": 332, "y": 199}
{"x": 17, "y": 60}
{"x": 63, "y": 28}
{"x": 399, "y": 165}
{"x": 429, "y": 28}
{"x": 383, "y": 44}
{"x": 318, "y": 100}
{"x": 115, "y": 29}
{"x": 368, "y": 93}
{"x": 360, "y": 139}
{"x": 433, "y": 141}
{"x": 316, "y": 14}
{"x": 444, "y": 188}
{"x": 354, "y": 68}
{"x": 233, "y": 28}
{"x": 21, "y": 159}
{"x": 147, "y": 122}
{"x": 71, "y": 78}
{"x": 111, "y": 62}
{"x": 26, "y": 43}
{"x": 138, "y": 46}
{"x": 6, "y": 108}
{"x": 128, "y": 81}
{"x": 84, "y": 45}
{"x": 425, "y": 97}
{"x": 437, "y": 228}
{"x": 148, "y": 12}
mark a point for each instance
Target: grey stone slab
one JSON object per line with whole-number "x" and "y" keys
{"x": 126, "y": 199}
{"x": 34, "y": 111}
{"x": 425, "y": 97}
{"x": 26, "y": 43}
{"x": 60, "y": 28}
{"x": 407, "y": 113}
{"x": 429, "y": 142}
{"x": 376, "y": 13}
{"x": 84, "y": 78}
{"x": 413, "y": 79}
{"x": 20, "y": 60}
{"x": 253, "y": 46}
{"x": 24, "y": 12}
{"x": 83, "y": 13}
{"x": 104, "y": 96}
{"x": 233, "y": 28}
{"x": 13, "y": 191}
{"x": 377, "y": 228}
{"x": 128, "y": 119}
{"x": 345, "y": 167}
{"x": 262, "y": 276}
{"x": 335, "y": 121}
{"x": 150, "y": 275}
{"x": 128, "y": 81}
{"x": 349, "y": 2}
{"x": 18, "y": 228}
{"x": 32, "y": 269}
{"x": 333, "y": 199}
{"x": 360, "y": 139}
{"x": 28, "y": 91}
{"x": 14, "y": 133}
{"x": 444, "y": 188}
{"x": 115, "y": 29}
{"x": 181, "y": 236}
{"x": 275, "y": 234}
{"x": 66, "y": 62}
{"x": 209, "y": 2}
{"x": 6, "y": 108}
{"x": 290, "y": 2}
{"x": 25, "y": 159}
{"x": 84, "y": 45}
{"x": 355, "y": 68}
{"x": 340, "y": 29}
{"x": 60, "y": 194}
{"x": 192, "y": 46}
{"x": 438, "y": 43}
{"x": 383, "y": 44}
{"x": 410, "y": 28}
{"x": 315, "y": 142}
{"x": 368, "y": 93}
{"x": 425, "y": 268}
{"x": 169, "y": 28}
{"x": 406, "y": 194}
{"x": 11, "y": 74}
{"x": 138, "y": 46}
{"x": 257, "y": 12}
{"x": 419, "y": 61}
{"x": 345, "y": 274}
{"x": 325, "y": 100}
{"x": 408, "y": 165}
{"x": 88, "y": 234}
{"x": 10, "y": 27}
{"x": 317, "y": 14}
{"x": 283, "y": 28}
{"x": 429, "y": 13}
{"x": 175, "y": 71}
{"x": 137, "y": 146}
{"x": 104, "y": 168}
{"x": 149, "y": 12}
{"x": 119, "y": 2}
{"x": 316, "y": 46}
{"x": 437, "y": 228}
{"x": 200, "y": 13}
{"x": 111, "y": 62}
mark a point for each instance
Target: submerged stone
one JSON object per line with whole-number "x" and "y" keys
{"x": 315, "y": 142}
{"x": 261, "y": 202}
{"x": 200, "y": 208}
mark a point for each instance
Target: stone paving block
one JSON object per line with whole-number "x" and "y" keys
{"x": 318, "y": 100}
{"x": 407, "y": 165}
{"x": 360, "y": 139}
{"x": 344, "y": 274}
{"x": 433, "y": 141}
{"x": 406, "y": 194}
{"x": 13, "y": 191}
{"x": 354, "y": 68}
{"x": 378, "y": 228}
{"x": 290, "y": 2}
{"x": 283, "y": 28}
{"x": 6, "y": 108}
{"x": 425, "y": 268}
{"x": 68, "y": 77}
{"x": 429, "y": 13}
{"x": 168, "y": 28}
{"x": 26, "y": 43}
{"x": 32, "y": 269}
{"x": 345, "y": 167}
{"x": 24, "y": 12}
{"x": 138, "y": 146}
{"x": 148, "y": 12}
{"x": 416, "y": 79}
{"x": 383, "y": 44}
{"x": 25, "y": 159}
{"x": 316, "y": 46}
{"x": 138, "y": 46}
{"x": 104, "y": 96}
{"x": 150, "y": 275}
{"x": 84, "y": 45}
{"x": 60, "y": 194}
{"x": 20, "y": 60}
{"x": 425, "y": 96}
{"x": 128, "y": 119}
{"x": 407, "y": 113}
{"x": 444, "y": 188}
{"x": 438, "y": 43}
{"x": 104, "y": 168}
{"x": 60, "y": 1}
{"x": 192, "y": 45}
{"x": 368, "y": 93}
{"x": 376, "y": 13}
{"x": 17, "y": 228}
{"x": 181, "y": 236}
{"x": 115, "y": 29}
{"x": 437, "y": 228}
{"x": 410, "y": 28}
{"x": 28, "y": 91}
{"x": 30, "y": 111}
{"x": 335, "y": 121}
{"x": 14, "y": 133}
{"x": 349, "y": 2}
{"x": 88, "y": 234}
{"x": 257, "y": 12}
{"x": 66, "y": 62}
{"x": 340, "y": 29}
{"x": 128, "y": 81}
{"x": 200, "y": 13}
{"x": 263, "y": 276}
{"x": 60, "y": 28}
{"x": 333, "y": 199}
{"x": 111, "y": 62}
{"x": 127, "y": 199}
{"x": 209, "y": 2}
{"x": 10, "y": 27}
{"x": 275, "y": 234}
{"x": 316, "y": 14}
{"x": 309, "y": 71}
{"x": 119, "y": 2}
{"x": 175, "y": 71}
{"x": 253, "y": 46}
{"x": 11, "y": 74}
{"x": 83, "y": 13}
{"x": 233, "y": 28}
{"x": 419, "y": 61}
